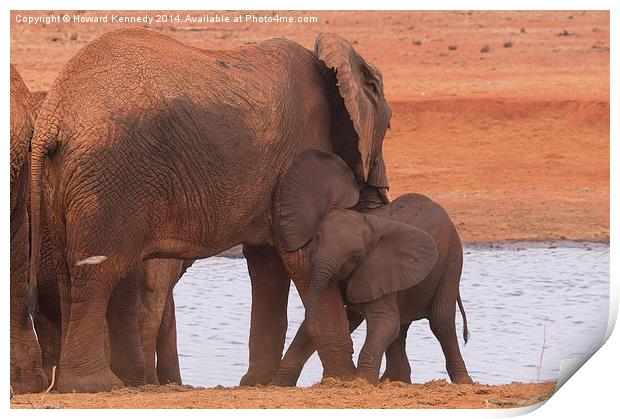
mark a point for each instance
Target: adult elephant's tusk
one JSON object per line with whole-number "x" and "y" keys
{"x": 385, "y": 195}
{"x": 93, "y": 260}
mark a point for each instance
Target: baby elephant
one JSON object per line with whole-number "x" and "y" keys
{"x": 396, "y": 264}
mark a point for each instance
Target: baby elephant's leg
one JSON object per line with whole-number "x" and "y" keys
{"x": 296, "y": 356}
{"x": 382, "y": 321}
{"x": 397, "y": 364}
{"x": 443, "y": 327}
{"x": 300, "y": 350}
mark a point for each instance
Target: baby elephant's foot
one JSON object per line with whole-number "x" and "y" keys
{"x": 396, "y": 376}
{"x": 283, "y": 380}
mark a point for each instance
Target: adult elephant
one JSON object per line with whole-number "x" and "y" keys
{"x": 26, "y": 370}
{"x": 153, "y": 149}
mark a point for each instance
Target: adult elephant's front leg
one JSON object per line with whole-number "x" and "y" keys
{"x": 270, "y": 286}
{"x": 329, "y": 330}
{"x": 168, "y": 370}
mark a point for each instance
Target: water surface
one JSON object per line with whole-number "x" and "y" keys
{"x": 517, "y": 298}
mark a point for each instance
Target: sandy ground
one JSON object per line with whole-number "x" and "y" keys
{"x": 502, "y": 117}
{"x": 434, "y": 394}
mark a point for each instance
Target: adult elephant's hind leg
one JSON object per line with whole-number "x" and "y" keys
{"x": 168, "y": 370}
{"x": 270, "y": 286}
{"x": 127, "y": 357}
{"x": 83, "y": 367}
{"x": 397, "y": 364}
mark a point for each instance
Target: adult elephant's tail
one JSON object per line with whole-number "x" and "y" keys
{"x": 42, "y": 143}
{"x": 462, "y": 309}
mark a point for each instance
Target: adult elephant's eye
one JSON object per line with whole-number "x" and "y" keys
{"x": 373, "y": 87}
{"x": 355, "y": 258}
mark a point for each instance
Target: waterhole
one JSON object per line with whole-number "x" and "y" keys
{"x": 528, "y": 306}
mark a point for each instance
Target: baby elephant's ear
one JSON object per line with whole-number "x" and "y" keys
{"x": 402, "y": 257}
{"x": 316, "y": 183}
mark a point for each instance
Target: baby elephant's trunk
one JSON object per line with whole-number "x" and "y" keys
{"x": 322, "y": 273}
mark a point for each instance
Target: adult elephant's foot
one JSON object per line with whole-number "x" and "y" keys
{"x": 336, "y": 354}
{"x": 127, "y": 363}
{"x": 33, "y": 382}
{"x": 102, "y": 380}
{"x": 259, "y": 375}
{"x": 150, "y": 368}
{"x": 130, "y": 376}
{"x": 27, "y": 374}
{"x": 461, "y": 379}
{"x": 169, "y": 371}
{"x": 370, "y": 377}
{"x": 342, "y": 372}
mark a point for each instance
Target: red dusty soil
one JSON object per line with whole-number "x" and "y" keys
{"x": 434, "y": 394}
{"x": 514, "y": 142}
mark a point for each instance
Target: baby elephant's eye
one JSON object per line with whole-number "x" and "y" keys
{"x": 355, "y": 258}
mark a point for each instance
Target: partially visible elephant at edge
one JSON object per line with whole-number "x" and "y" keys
{"x": 26, "y": 370}
{"x": 147, "y": 148}
{"x": 396, "y": 264}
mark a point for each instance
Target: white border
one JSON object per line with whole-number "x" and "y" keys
{"x": 593, "y": 390}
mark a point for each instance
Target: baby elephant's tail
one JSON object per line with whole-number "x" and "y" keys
{"x": 465, "y": 330}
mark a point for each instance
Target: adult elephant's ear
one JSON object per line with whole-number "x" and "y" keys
{"x": 401, "y": 257}
{"x": 379, "y": 180}
{"x": 361, "y": 87}
{"x": 315, "y": 183}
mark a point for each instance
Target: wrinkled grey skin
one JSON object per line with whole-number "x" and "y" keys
{"x": 395, "y": 264}
{"x": 146, "y": 148}
{"x": 26, "y": 370}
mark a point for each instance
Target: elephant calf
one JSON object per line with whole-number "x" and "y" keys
{"x": 395, "y": 264}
